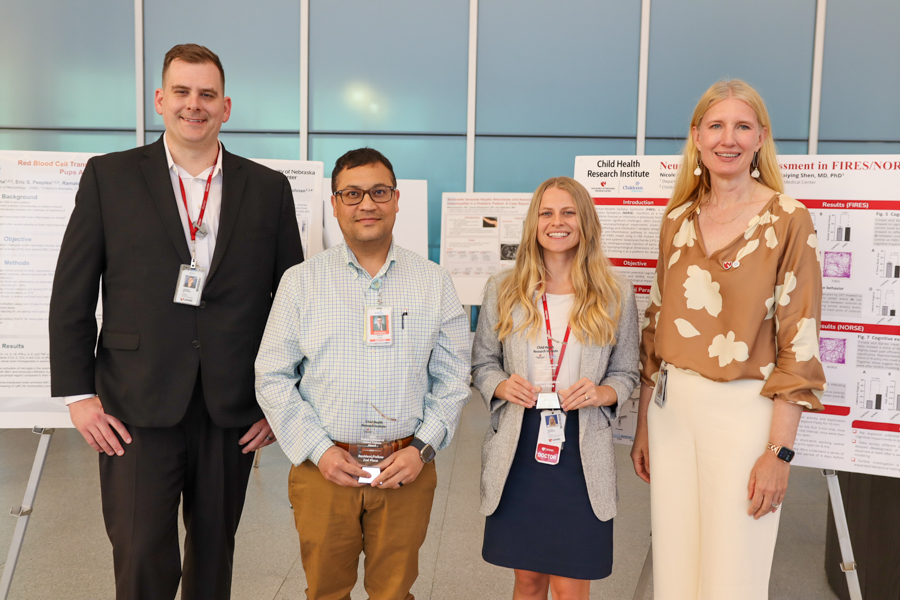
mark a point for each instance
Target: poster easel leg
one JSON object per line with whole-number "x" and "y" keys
{"x": 23, "y": 513}
{"x": 640, "y": 592}
{"x": 848, "y": 566}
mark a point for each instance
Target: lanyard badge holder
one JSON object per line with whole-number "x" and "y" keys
{"x": 659, "y": 392}
{"x": 191, "y": 278}
{"x": 552, "y": 434}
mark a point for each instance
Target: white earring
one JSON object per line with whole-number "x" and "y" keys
{"x": 698, "y": 171}
{"x": 755, "y": 164}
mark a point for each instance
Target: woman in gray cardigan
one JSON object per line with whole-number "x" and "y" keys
{"x": 562, "y": 328}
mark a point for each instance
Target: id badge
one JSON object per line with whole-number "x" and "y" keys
{"x": 659, "y": 392}
{"x": 550, "y": 437}
{"x": 379, "y": 325}
{"x": 189, "y": 285}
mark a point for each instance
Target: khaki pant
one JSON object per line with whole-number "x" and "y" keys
{"x": 336, "y": 523}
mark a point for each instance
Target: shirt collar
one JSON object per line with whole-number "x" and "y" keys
{"x": 172, "y": 165}
{"x": 353, "y": 263}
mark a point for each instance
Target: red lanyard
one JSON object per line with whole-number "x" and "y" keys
{"x": 191, "y": 226}
{"x": 565, "y": 342}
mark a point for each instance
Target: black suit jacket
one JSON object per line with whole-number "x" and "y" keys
{"x": 126, "y": 236}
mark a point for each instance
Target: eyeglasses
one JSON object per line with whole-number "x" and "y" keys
{"x": 353, "y": 196}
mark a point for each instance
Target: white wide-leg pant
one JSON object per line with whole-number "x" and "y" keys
{"x": 703, "y": 445}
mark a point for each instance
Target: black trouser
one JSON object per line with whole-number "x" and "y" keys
{"x": 197, "y": 461}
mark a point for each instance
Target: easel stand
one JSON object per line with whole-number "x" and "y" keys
{"x": 848, "y": 566}
{"x": 22, "y": 513}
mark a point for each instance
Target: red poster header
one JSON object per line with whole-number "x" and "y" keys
{"x": 631, "y": 201}
{"x": 646, "y": 263}
{"x": 860, "y": 328}
{"x": 875, "y": 426}
{"x": 852, "y": 204}
{"x": 831, "y": 409}
{"x": 642, "y": 289}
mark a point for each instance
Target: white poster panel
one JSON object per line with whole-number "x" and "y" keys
{"x": 306, "y": 185}
{"x": 37, "y": 192}
{"x": 855, "y": 204}
{"x": 411, "y": 226}
{"x": 480, "y": 235}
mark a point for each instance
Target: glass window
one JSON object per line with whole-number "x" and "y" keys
{"x": 663, "y": 147}
{"x": 668, "y": 147}
{"x": 859, "y": 147}
{"x": 389, "y": 66}
{"x": 558, "y": 68}
{"x": 67, "y": 64}
{"x": 99, "y": 142}
{"x": 255, "y": 145}
{"x": 439, "y": 159}
{"x": 258, "y": 44}
{"x": 505, "y": 164}
{"x": 861, "y": 71}
{"x": 693, "y": 44}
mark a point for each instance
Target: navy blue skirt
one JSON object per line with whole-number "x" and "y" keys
{"x": 545, "y": 522}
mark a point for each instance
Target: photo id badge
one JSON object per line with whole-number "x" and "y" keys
{"x": 379, "y": 326}
{"x": 550, "y": 437}
{"x": 189, "y": 285}
{"x": 659, "y": 392}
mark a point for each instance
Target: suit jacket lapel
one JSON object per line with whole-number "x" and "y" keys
{"x": 233, "y": 180}
{"x": 156, "y": 173}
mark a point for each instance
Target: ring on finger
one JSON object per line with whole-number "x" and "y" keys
{"x": 400, "y": 483}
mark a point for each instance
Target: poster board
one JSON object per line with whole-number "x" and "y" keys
{"x": 37, "y": 195}
{"x": 854, "y": 202}
{"x": 305, "y": 178}
{"x": 411, "y": 226}
{"x": 480, "y": 235}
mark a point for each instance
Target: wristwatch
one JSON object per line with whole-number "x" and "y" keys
{"x": 426, "y": 452}
{"x": 782, "y": 452}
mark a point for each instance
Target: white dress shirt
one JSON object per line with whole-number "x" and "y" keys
{"x": 193, "y": 191}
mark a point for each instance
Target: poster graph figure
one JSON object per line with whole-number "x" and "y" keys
{"x": 833, "y": 350}
{"x": 837, "y": 264}
{"x": 889, "y": 308}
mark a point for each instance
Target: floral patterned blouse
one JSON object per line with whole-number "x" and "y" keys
{"x": 750, "y": 311}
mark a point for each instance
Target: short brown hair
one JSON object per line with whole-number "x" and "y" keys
{"x": 194, "y": 54}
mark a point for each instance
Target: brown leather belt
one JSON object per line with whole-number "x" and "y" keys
{"x": 387, "y": 448}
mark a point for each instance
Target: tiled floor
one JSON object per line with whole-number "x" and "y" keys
{"x": 67, "y": 556}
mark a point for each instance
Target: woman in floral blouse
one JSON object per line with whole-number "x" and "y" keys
{"x": 729, "y": 357}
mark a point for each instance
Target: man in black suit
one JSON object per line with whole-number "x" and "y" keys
{"x": 173, "y": 380}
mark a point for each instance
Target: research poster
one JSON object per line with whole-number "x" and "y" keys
{"x": 480, "y": 235}
{"x": 37, "y": 192}
{"x": 305, "y": 178}
{"x": 854, "y": 202}
{"x": 37, "y": 195}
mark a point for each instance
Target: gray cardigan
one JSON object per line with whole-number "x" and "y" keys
{"x": 493, "y": 361}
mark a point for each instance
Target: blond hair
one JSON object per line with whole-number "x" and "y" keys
{"x": 690, "y": 188}
{"x": 595, "y": 313}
